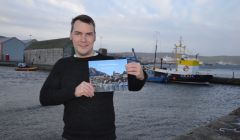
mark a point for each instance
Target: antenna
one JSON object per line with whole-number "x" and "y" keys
{"x": 134, "y": 54}
{"x": 155, "y": 54}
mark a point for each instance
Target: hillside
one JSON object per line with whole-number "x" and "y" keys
{"x": 149, "y": 58}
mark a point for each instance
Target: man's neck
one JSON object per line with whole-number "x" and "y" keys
{"x": 79, "y": 56}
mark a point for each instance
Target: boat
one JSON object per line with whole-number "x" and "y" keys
{"x": 26, "y": 69}
{"x": 168, "y": 60}
{"x": 154, "y": 76}
{"x": 186, "y": 70}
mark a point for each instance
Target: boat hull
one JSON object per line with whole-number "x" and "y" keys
{"x": 156, "y": 77}
{"x": 27, "y": 69}
{"x": 165, "y": 76}
{"x": 191, "y": 79}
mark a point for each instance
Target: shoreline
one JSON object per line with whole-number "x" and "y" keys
{"x": 215, "y": 80}
{"x": 224, "y": 128}
{"x": 225, "y": 81}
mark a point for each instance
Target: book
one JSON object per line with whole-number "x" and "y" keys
{"x": 108, "y": 75}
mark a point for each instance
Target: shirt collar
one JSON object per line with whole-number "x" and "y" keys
{"x": 93, "y": 54}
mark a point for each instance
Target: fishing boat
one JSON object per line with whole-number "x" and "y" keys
{"x": 186, "y": 71}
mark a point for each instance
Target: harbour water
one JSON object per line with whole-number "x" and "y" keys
{"x": 157, "y": 112}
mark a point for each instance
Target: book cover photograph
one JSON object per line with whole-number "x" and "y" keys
{"x": 108, "y": 75}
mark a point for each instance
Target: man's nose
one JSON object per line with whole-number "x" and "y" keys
{"x": 83, "y": 38}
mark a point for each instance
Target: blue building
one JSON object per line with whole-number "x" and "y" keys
{"x": 11, "y": 49}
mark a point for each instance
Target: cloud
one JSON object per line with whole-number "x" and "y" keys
{"x": 198, "y": 23}
{"x": 129, "y": 24}
{"x": 164, "y": 8}
{"x": 202, "y": 2}
{"x": 70, "y": 6}
{"x": 42, "y": 18}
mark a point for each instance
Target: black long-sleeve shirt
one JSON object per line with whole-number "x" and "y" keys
{"x": 82, "y": 115}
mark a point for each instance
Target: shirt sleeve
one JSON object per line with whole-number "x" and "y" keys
{"x": 51, "y": 92}
{"x": 134, "y": 84}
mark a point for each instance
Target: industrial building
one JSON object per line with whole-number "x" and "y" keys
{"x": 48, "y": 52}
{"x": 11, "y": 49}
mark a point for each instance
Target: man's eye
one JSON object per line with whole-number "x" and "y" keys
{"x": 89, "y": 34}
{"x": 77, "y": 33}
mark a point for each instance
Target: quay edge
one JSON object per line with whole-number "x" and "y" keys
{"x": 227, "y": 81}
{"x": 224, "y": 128}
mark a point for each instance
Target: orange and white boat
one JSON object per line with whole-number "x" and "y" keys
{"x": 26, "y": 69}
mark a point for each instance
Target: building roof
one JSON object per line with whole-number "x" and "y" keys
{"x": 48, "y": 44}
{"x": 5, "y": 39}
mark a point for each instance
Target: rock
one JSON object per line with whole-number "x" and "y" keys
{"x": 235, "y": 112}
{"x": 225, "y": 128}
{"x": 202, "y": 133}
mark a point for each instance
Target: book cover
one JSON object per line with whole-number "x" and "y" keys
{"x": 108, "y": 75}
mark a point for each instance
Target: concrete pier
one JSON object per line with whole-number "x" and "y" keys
{"x": 223, "y": 80}
{"x": 225, "y": 128}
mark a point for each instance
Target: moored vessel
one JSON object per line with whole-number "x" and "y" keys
{"x": 186, "y": 70}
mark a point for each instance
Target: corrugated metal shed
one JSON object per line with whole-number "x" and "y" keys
{"x": 11, "y": 49}
{"x": 48, "y": 52}
{"x": 49, "y": 44}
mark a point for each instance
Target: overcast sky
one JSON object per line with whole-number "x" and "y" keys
{"x": 207, "y": 27}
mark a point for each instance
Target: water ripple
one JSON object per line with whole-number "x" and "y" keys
{"x": 158, "y": 111}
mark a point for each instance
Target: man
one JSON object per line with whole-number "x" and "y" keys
{"x": 87, "y": 115}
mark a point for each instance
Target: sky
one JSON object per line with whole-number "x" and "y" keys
{"x": 109, "y": 66}
{"x": 207, "y": 27}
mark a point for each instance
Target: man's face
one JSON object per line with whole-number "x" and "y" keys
{"x": 83, "y": 38}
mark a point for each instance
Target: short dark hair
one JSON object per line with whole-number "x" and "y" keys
{"x": 84, "y": 18}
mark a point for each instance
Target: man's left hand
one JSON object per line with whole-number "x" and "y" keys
{"x": 134, "y": 68}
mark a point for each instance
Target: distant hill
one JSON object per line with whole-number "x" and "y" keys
{"x": 94, "y": 72}
{"x": 229, "y": 60}
{"x": 149, "y": 58}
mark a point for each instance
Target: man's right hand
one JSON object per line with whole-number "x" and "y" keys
{"x": 84, "y": 89}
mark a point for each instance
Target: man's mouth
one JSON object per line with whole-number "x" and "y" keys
{"x": 83, "y": 46}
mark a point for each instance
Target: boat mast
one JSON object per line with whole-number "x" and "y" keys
{"x": 182, "y": 47}
{"x": 155, "y": 55}
{"x": 179, "y": 50}
{"x": 176, "y": 56}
